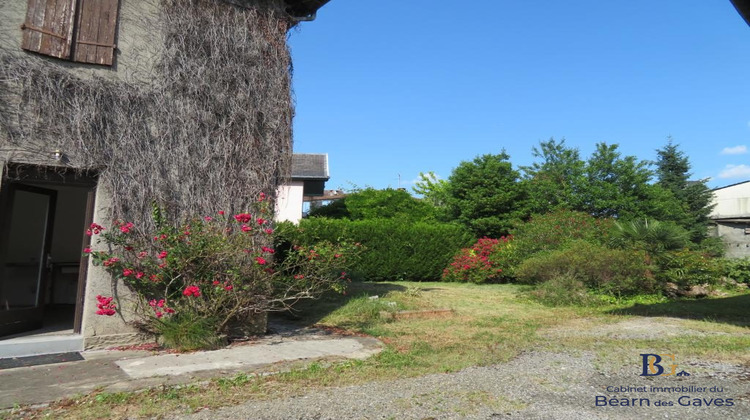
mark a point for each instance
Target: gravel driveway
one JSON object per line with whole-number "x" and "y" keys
{"x": 534, "y": 385}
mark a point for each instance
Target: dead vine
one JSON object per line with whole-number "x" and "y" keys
{"x": 208, "y": 128}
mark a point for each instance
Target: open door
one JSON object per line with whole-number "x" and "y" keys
{"x": 28, "y": 217}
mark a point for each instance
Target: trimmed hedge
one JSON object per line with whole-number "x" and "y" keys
{"x": 394, "y": 249}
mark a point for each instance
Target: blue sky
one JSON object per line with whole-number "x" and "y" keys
{"x": 391, "y": 88}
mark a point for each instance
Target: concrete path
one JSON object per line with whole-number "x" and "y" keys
{"x": 113, "y": 370}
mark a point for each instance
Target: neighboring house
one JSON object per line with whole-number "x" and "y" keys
{"x": 731, "y": 218}
{"x": 109, "y": 105}
{"x": 309, "y": 175}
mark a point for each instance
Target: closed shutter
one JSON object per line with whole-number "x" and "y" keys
{"x": 95, "y": 36}
{"x": 48, "y": 28}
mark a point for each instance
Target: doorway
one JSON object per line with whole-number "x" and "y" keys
{"x": 43, "y": 216}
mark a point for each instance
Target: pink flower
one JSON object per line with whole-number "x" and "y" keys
{"x": 105, "y": 306}
{"x": 87, "y": 250}
{"x": 216, "y": 282}
{"x": 260, "y": 260}
{"x": 159, "y": 314}
{"x": 261, "y": 221}
{"x": 268, "y": 250}
{"x": 169, "y": 310}
{"x": 142, "y": 254}
{"x": 221, "y": 212}
{"x": 243, "y": 217}
{"x": 299, "y": 276}
{"x": 192, "y": 291}
{"x": 262, "y": 196}
{"x": 126, "y": 227}
{"x": 208, "y": 218}
{"x": 127, "y": 272}
{"x": 111, "y": 261}
{"x": 228, "y": 287}
{"x": 154, "y": 278}
{"x": 246, "y": 228}
{"x": 268, "y": 231}
{"x": 163, "y": 255}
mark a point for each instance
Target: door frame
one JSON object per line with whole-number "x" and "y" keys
{"x": 14, "y": 173}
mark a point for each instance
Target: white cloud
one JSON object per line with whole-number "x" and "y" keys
{"x": 736, "y": 150}
{"x": 735, "y": 171}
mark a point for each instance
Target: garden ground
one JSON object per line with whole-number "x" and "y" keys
{"x": 495, "y": 352}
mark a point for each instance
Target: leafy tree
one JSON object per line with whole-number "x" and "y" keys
{"x": 371, "y": 203}
{"x": 558, "y": 180}
{"x": 431, "y": 188}
{"x": 620, "y": 187}
{"x": 486, "y": 195}
{"x": 673, "y": 173}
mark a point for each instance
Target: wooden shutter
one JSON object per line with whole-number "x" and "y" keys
{"x": 49, "y": 27}
{"x": 95, "y": 36}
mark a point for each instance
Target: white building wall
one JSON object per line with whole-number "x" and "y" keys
{"x": 732, "y": 202}
{"x": 289, "y": 202}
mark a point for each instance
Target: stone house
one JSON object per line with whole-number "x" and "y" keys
{"x": 109, "y": 105}
{"x": 730, "y": 218}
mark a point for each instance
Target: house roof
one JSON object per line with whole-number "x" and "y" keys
{"x": 743, "y": 7}
{"x": 729, "y": 186}
{"x": 310, "y": 166}
{"x": 304, "y": 8}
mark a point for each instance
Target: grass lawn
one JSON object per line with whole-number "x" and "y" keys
{"x": 488, "y": 324}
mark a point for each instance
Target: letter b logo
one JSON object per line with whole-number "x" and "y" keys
{"x": 651, "y": 366}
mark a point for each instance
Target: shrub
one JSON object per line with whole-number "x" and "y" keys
{"x": 651, "y": 236}
{"x": 393, "y": 249}
{"x": 554, "y": 231}
{"x": 688, "y": 268}
{"x": 564, "y": 290}
{"x": 737, "y": 269}
{"x": 486, "y": 261}
{"x": 610, "y": 271}
{"x": 214, "y": 268}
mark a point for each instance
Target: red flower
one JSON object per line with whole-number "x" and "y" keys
{"x": 261, "y": 221}
{"x": 243, "y": 217}
{"x": 105, "y": 306}
{"x": 126, "y": 227}
{"x": 268, "y": 231}
{"x": 221, "y": 212}
{"x": 127, "y": 272}
{"x": 260, "y": 260}
{"x": 208, "y": 218}
{"x": 142, "y": 254}
{"x": 246, "y": 228}
{"x": 163, "y": 255}
{"x": 192, "y": 291}
{"x": 262, "y": 197}
{"x": 87, "y": 250}
{"x": 268, "y": 250}
{"x": 228, "y": 287}
{"x": 216, "y": 282}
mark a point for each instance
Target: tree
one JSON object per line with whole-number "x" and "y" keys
{"x": 486, "y": 195}
{"x": 619, "y": 186}
{"x": 370, "y": 203}
{"x": 431, "y": 188}
{"x": 695, "y": 198}
{"x": 557, "y": 181}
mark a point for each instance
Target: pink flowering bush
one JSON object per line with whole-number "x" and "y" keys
{"x": 488, "y": 260}
{"x": 219, "y": 268}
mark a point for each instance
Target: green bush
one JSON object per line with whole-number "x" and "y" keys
{"x": 394, "y": 249}
{"x": 564, "y": 290}
{"x": 737, "y": 269}
{"x": 611, "y": 271}
{"x": 554, "y": 231}
{"x": 688, "y": 268}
